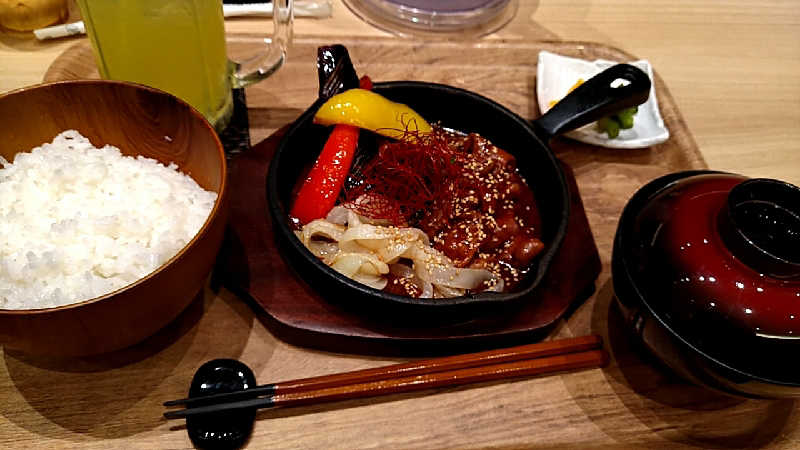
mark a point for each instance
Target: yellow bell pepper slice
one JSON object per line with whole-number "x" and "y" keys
{"x": 371, "y": 111}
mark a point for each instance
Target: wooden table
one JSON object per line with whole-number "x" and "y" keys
{"x": 731, "y": 67}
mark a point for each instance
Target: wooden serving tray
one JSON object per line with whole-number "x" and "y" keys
{"x": 502, "y": 71}
{"x": 115, "y": 400}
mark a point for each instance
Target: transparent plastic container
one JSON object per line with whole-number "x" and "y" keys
{"x": 451, "y": 19}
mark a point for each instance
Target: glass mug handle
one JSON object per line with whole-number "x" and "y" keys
{"x": 266, "y": 62}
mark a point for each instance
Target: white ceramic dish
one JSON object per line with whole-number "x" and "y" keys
{"x": 556, "y": 74}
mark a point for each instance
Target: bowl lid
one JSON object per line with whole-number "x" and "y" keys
{"x": 714, "y": 257}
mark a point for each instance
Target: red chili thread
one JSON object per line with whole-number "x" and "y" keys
{"x": 409, "y": 176}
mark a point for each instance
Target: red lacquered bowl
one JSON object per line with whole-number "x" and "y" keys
{"x": 706, "y": 269}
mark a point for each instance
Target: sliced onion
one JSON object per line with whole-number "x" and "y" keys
{"x": 371, "y": 281}
{"x": 388, "y": 243}
{"x": 427, "y": 289}
{"x": 350, "y": 263}
{"x": 322, "y": 228}
{"x": 441, "y": 291}
{"x": 367, "y": 252}
{"x": 437, "y": 268}
{"x": 324, "y": 250}
{"x": 338, "y": 215}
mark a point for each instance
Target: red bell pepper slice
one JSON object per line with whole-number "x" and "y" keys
{"x": 318, "y": 194}
{"x": 365, "y": 83}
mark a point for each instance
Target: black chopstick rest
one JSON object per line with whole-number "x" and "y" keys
{"x": 224, "y": 430}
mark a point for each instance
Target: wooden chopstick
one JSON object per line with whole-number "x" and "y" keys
{"x": 373, "y": 381}
{"x": 529, "y": 351}
{"x": 515, "y": 369}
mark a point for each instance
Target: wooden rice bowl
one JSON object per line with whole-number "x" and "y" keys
{"x": 137, "y": 120}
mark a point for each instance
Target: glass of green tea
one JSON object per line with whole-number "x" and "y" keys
{"x": 178, "y": 46}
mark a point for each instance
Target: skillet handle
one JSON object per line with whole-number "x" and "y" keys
{"x": 595, "y": 99}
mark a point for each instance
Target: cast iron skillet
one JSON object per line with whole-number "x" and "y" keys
{"x": 464, "y": 111}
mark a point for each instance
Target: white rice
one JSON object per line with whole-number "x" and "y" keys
{"x": 78, "y": 222}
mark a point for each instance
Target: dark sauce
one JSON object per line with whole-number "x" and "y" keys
{"x": 401, "y": 286}
{"x": 467, "y": 196}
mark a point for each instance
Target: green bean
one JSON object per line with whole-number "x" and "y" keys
{"x": 613, "y": 123}
{"x": 625, "y": 118}
{"x": 610, "y": 126}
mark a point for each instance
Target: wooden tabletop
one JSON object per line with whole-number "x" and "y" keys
{"x": 731, "y": 67}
